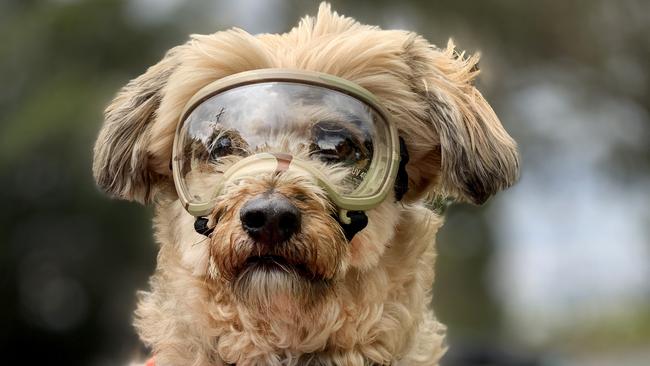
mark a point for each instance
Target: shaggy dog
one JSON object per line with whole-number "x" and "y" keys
{"x": 371, "y": 302}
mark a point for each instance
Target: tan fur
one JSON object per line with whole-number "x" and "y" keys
{"x": 363, "y": 302}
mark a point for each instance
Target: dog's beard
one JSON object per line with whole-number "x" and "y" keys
{"x": 271, "y": 283}
{"x": 297, "y": 273}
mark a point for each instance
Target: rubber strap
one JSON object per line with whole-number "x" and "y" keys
{"x": 402, "y": 179}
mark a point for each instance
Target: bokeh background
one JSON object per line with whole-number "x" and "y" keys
{"x": 555, "y": 271}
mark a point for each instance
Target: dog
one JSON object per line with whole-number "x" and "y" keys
{"x": 290, "y": 175}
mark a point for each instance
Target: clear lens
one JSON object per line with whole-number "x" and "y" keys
{"x": 328, "y": 130}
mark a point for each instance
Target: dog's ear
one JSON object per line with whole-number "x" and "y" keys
{"x": 120, "y": 155}
{"x": 469, "y": 156}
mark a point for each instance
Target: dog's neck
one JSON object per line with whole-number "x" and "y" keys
{"x": 378, "y": 316}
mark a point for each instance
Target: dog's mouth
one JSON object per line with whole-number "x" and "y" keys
{"x": 275, "y": 263}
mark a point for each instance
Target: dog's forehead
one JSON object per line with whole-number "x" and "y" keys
{"x": 368, "y": 56}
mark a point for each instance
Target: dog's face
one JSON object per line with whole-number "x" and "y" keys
{"x": 276, "y": 243}
{"x": 276, "y": 240}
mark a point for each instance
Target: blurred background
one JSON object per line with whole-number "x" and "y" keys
{"x": 555, "y": 271}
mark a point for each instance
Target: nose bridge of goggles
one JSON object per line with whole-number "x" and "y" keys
{"x": 262, "y": 163}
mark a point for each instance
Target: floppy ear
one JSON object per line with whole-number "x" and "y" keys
{"x": 120, "y": 154}
{"x": 474, "y": 155}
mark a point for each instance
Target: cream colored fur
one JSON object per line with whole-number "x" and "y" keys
{"x": 379, "y": 315}
{"x": 375, "y": 307}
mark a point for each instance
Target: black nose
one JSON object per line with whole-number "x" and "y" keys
{"x": 270, "y": 219}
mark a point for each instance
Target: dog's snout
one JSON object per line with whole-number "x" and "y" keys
{"x": 270, "y": 219}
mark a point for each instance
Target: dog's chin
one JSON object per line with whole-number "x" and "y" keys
{"x": 271, "y": 282}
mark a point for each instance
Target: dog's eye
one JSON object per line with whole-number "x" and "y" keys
{"x": 222, "y": 147}
{"x": 333, "y": 143}
{"x": 227, "y": 144}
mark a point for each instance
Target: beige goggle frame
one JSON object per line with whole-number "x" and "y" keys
{"x": 380, "y": 186}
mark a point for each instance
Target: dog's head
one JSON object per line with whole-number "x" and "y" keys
{"x": 277, "y": 235}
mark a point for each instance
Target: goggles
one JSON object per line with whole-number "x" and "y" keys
{"x": 275, "y": 120}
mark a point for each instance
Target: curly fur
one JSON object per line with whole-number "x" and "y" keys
{"x": 364, "y": 302}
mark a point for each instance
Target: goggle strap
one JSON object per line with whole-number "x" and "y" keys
{"x": 351, "y": 222}
{"x": 402, "y": 179}
{"x": 201, "y": 226}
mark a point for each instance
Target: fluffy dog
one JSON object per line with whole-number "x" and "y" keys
{"x": 367, "y": 299}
